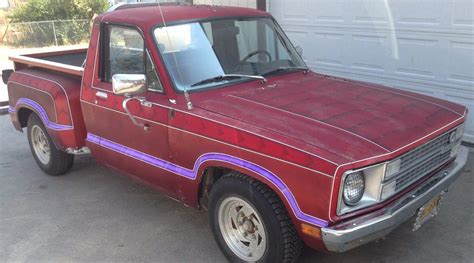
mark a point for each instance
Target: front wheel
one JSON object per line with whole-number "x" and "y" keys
{"x": 51, "y": 160}
{"x": 250, "y": 223}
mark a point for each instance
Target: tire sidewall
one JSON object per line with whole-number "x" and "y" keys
{"x": 245, "y": 191}
{"x": 33, "y": 121}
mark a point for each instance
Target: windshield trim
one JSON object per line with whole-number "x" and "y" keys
{"x": 202, "y": 20}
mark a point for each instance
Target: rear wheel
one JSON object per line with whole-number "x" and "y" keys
{"x": 51, "y": 160}
{"x": 250, "y": 223}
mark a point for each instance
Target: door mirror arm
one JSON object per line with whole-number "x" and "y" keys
{"x": 144, "y": 103}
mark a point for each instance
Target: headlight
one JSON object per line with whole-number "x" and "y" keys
{"x": 360, "y": 188}
{"x": 354, "y": 186}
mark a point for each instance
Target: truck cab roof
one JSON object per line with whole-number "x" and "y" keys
{"x": 147, "y": 16}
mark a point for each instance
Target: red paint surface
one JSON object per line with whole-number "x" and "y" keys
{"x": 305, "y": 128}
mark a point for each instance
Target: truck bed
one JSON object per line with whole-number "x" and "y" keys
{"x": 65, "y": 61}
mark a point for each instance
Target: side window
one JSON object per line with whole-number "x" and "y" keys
{"x": 126, "y": 52}
{"x": 127, "y": 55}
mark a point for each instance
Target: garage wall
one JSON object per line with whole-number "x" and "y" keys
{"x": 425, "y": 46}
{"x": 238, "y": 3}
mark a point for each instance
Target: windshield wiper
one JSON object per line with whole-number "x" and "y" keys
{"x": 281, "y": 69}
{"x": 227, "y": 77}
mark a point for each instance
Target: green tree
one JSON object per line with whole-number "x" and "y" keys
{"x": 42, "y": 10}
{"x": 88, "y": 8}
{"x": 74, "y": 30}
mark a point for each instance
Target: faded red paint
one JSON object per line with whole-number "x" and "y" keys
{"x": 305, "y": 128}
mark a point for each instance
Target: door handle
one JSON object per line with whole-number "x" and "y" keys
{"x": 101, "y": 95}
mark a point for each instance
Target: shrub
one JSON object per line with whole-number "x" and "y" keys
{"x": 74, "y": 30}
{"x": 45, "y": 10}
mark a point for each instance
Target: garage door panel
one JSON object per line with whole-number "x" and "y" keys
{"x": 424, "y": 46}
{"x": 420, "y": 13}
{"x": 332, "y": 12}
{"x": 458, "y": 72}
{"x": 360, "y": 14}
{"x": 416, "y": 57}
{"x": 328, "y": 43}
{"x": 296, "y": 11}
{"x": 461, "y": 14}
{"x": 373, "y": 60}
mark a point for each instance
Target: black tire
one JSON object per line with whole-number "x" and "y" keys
{"x": 59, "y": 162}
{"x": 283, "y": 242}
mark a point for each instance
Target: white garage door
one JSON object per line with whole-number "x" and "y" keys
{"x": 426, "y": 46}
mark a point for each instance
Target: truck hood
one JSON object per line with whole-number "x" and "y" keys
{"x": 353, "y": 120}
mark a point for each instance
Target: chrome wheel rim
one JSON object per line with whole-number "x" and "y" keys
{"x": 242, "y": 229}
{"x": 40, "y": 145}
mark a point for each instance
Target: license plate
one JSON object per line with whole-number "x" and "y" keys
{"x": 427, "y": 211}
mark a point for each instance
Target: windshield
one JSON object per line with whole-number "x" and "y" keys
{"x": 198, "y": 51}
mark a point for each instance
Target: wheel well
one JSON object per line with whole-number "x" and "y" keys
{"x": 209, "y": 178}
{"x": 23, "y": 115}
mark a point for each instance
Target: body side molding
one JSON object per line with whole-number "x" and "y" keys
{"x": 192, "y": 174}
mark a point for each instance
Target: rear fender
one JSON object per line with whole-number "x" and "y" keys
{"x": 60, "y": 134}
{"x": 46, "y": 95}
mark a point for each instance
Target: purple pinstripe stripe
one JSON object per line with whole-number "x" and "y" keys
{"x": 42, "y": 114}
{"x": 11, "y": 109}
{"x": 192, "y": 174}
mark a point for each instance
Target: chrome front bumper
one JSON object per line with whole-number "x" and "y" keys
{"x": 361, "y": 230}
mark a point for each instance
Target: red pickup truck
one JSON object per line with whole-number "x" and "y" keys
{"x": 216, "y": 108}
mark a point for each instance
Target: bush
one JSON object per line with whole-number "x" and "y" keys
{"x": 45, "y": 10}
{"x": 74, "y": 30}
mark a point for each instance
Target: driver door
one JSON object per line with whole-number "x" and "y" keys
{"x": 116, "y": 140}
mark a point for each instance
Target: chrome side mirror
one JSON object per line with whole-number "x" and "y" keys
{"x": 129, "y": 84}
{"x": 299, "y": 50}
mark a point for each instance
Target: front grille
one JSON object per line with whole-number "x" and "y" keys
{"x": 421, "y": 170}
{"x": 422, "y": 161}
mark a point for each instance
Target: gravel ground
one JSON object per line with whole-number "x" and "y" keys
{"x": 97, "y": 215}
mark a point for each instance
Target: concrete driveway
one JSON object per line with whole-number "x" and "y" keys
{"x": 3, "y": 91}
{"x": 97, "y": 215}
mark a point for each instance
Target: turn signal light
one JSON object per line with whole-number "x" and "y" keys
{"x": 311, "y": 230}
